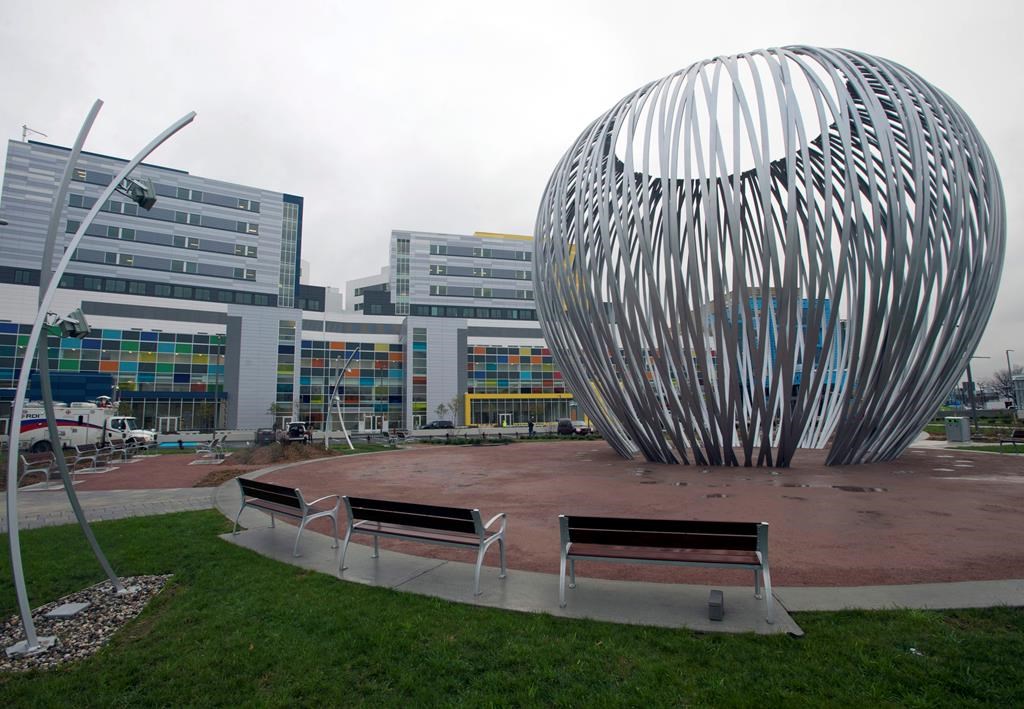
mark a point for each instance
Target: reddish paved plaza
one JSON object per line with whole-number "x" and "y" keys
{"x": 932, "y": 515}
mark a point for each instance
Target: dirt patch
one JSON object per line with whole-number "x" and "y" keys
{"x": 217, "y": 477}
{"x": 278, "y": 453}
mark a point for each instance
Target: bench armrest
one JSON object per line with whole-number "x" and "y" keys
{"x": 325, "y": 497}
{"x": 502, "y": 516}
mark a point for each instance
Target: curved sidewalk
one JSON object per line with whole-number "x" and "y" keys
{"x": 634, "y": 602}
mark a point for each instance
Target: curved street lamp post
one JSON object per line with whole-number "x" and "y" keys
{"x": 140, "y": 192}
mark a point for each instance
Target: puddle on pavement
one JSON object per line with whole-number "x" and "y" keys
{"x": 716, "y": 495}
{"x": 858, "y": 488}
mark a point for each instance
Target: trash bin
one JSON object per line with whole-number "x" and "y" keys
{"x": 958, "y": 429}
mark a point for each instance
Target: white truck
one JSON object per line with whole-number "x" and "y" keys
{"x": 79, "y": 423}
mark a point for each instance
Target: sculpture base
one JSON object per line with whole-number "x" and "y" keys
{"x": 22, "y": 648}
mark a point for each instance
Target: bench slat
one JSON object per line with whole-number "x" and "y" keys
{"x": 662, "y": 525}
{"x": 427, "y": 521}
{"x": 385, "y": 530}
{"x": 623, "y": 537}
{"x": 268, "y": 491}
{"x": 411, "y": 508}
{"x": 698, "y": 556}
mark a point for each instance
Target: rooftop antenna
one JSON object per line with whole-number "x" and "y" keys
{"x": 25, "y": 130}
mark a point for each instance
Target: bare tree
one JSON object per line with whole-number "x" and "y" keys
{"x": 1002, "y": 380}
{"x": 441, "y": 410}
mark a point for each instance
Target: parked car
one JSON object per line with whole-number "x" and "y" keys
{"x": 439, "y": 424}
{"x": 298, "y": 432}
{"x": 568, "y": 427}
{"x": 265, "y": 436}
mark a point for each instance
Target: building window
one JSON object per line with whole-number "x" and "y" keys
{"x": 438, "y": 250}
{"x": 438, "y": 270}
{"x": 438, "y": 290}
{"x": 125, "y": 260}
{"x": 245, "y": 250}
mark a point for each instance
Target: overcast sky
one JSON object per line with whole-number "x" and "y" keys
{"x": 450, "y": 116}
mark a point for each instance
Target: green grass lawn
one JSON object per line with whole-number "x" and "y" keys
{"x": 994, "y": 448}
{"x": 234, "y": 628}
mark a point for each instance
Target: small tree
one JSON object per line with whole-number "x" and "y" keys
{"x": 455, "y": 406}
{"x": 124, "y": 408}
{"x": 441, "y": 410}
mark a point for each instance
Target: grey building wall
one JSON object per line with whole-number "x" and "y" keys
{"x": 252, "y": 352}
{"x": 479, "y": 270}
{"x": 201, "y": 217}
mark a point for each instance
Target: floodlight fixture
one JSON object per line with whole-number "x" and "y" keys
{"x": 139, "y": 191}
{"x": 73, "y": 325}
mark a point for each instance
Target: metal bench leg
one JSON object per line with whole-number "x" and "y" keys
{"x": 272, "y": 526}
{"x": 234, "y": 531}
{"x": 295, "y": 549}
{"x": 561, "y": 581}
{"x": 757, "y": 583}
{"x": 769, "y": 602}
{"x": 335, "y": 520}
{"x": 476, "y": 574}
{"x": 572, "y": 573}
{"x": 344, "y": 550}
{"x": 376, "y": 548}
{"x": 501, "y": 557}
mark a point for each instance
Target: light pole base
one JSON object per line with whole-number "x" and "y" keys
{"x": 21, "y": 648}
{"x": 128, "y": 590}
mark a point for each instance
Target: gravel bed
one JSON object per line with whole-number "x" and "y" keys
{"x": 85, "y": 633}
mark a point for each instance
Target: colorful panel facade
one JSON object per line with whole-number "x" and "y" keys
{"x": 371, "y": 392}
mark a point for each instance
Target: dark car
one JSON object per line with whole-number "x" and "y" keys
{"x": 440, "y": 424}
{"x": 265, "y": 436}
{"x": 568, "y": 427}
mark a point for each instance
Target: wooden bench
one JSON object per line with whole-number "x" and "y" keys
{"x": 449, "y": 526}
{"x": 39, "y": 463}
{"x": 1016, "y": 437}
{"x": 732, "y": 545}
{"x": 97, "y": 456}
{"x": 287, "y": 501}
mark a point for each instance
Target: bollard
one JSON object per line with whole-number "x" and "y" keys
{"x": 181, "y": 445}
{"x": 716, "y": 605}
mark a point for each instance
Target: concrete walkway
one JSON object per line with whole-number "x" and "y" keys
{"x": 47, "y": 508}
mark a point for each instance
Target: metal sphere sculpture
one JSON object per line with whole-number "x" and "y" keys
{"x": 779, "y": 249}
